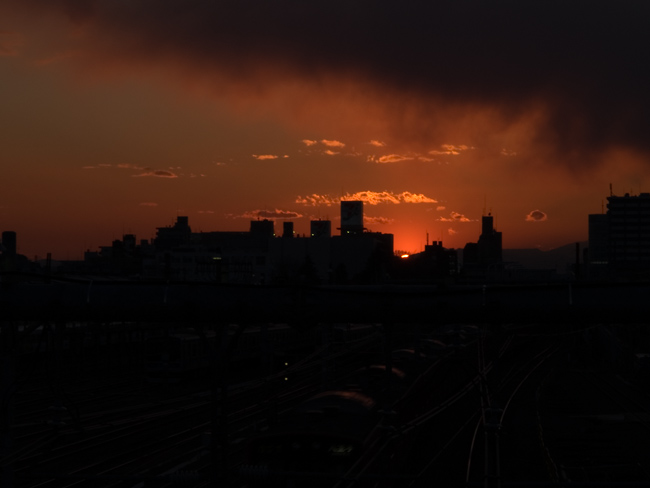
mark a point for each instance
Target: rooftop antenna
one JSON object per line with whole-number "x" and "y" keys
{"x": 427, "y": 237}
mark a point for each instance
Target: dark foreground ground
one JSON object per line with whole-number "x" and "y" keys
{"x": 525, "y": 405}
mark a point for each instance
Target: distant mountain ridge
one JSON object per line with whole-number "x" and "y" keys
{"x": 560, "y": 258}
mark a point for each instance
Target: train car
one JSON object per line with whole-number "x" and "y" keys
{"x": 317, "y": 443}
{"x": 260, "y": 349}
{"x": 322, "y": 438}
{"x": 174, "y": 357}
{"x": 338, "y": 433}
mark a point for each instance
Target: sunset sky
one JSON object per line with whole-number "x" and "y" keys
{"x": 118, "y": 115}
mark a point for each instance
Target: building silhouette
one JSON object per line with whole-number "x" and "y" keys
{"x": 10, "y": 260}
{"x": 253, "y": 257}
{"x": 488, "y": 250}
{"x": 351, "y": 217}
{"x": 435, "y": 264}
{"x": 9, "y": 247}
{"x": 619, "y": 240}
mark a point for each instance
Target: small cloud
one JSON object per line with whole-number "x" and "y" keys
{"x": 262, "y": 157}
{"x": 440, "y": 207}
{"x": 332, "y": 143}
{"x": 329, "y": 152}
{"x": 393, "y": 158}
{"x": 377, "y": 143}
{"x": 315, "y": 200}
{"x": 409, "y": 197}
{"x": 425, "y": 159}
{"x": 148, "y": 204}
{"x": 205, "y": 211}
{"x": 450, "y": 149}
{"x": 309, "y": 142}
{"x": 454, "y": 217}
{"x": 378, "y": 220}
{"x": 285, "y": 156}
{"x": 271, "y": 214}
{"x": 536, "y": 216}
{"x": 451, "y": 231}
{"x": 159, "y": 173}
{"x": 506, "y": 152}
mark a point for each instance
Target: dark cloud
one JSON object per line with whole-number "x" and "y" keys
{"x": 583, "y": 62}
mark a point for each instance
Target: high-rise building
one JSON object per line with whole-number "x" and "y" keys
{"x": 489, "y": 242}
{"x": 621, "y": 237}
{"x": 351, "y": 217}
{"x": 629, "y": 228}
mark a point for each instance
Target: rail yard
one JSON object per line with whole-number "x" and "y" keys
{"x": 143, "y": 404}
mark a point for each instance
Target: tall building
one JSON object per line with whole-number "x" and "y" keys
{"x": 621, "y": 237}
{"x": 488, "y": 249}
{"x": 351, "y": 217}
{"x": 482, "y": 260}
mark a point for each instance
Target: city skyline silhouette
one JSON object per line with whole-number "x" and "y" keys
{"x": 155, "y": 332}
{"x": 114, "y": 120}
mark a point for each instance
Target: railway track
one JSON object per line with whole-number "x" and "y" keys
{"x": 596, "y": 423}
{"x": 128, "y": 431}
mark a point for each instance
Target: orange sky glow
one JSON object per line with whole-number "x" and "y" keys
{"x": 112, "y": 124}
